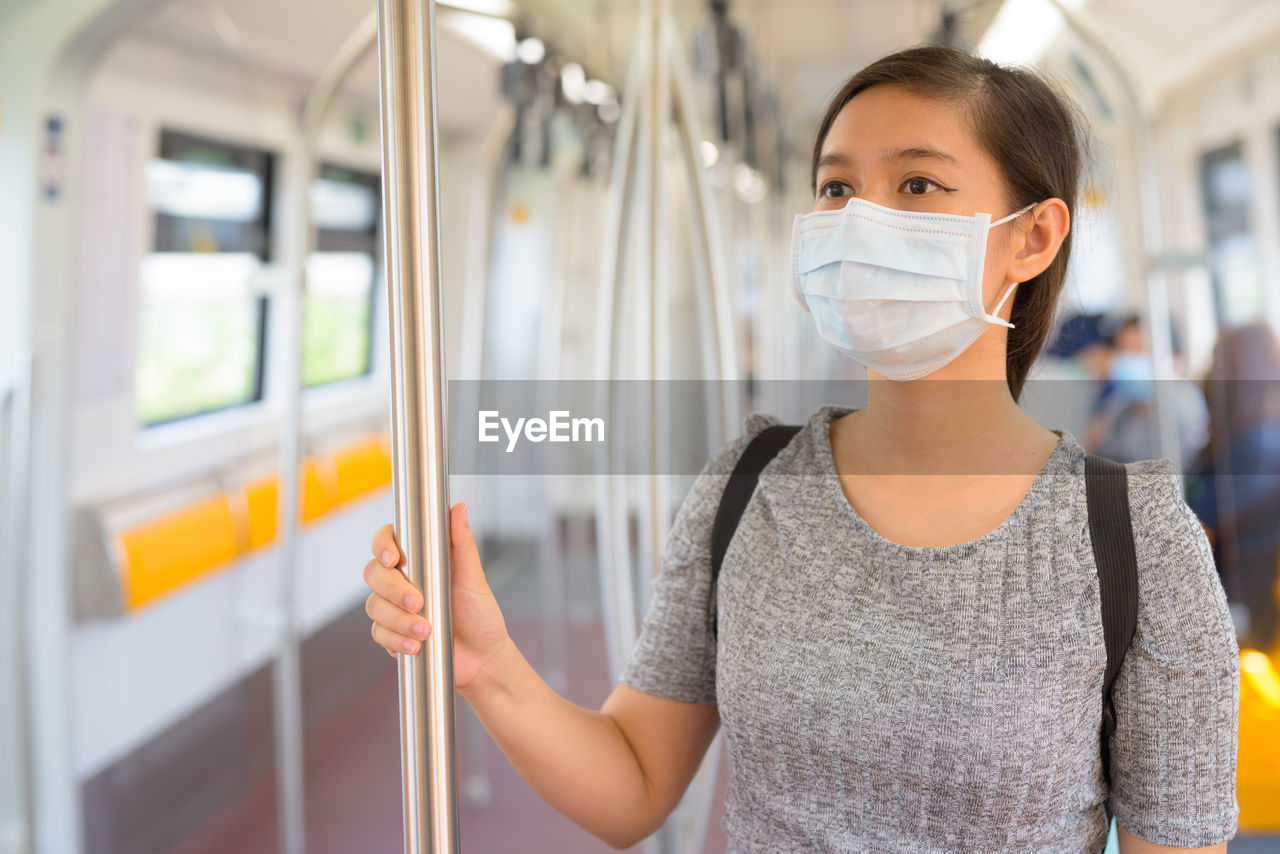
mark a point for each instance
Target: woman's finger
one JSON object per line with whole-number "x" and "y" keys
{"x": 392, "y": 642}
{"x": 385, "y": 548}
{"x": 391, "y": 585}
{"x": 396, "y": 619}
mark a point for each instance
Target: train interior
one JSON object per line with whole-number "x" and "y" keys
{"x": 168, "y": 177}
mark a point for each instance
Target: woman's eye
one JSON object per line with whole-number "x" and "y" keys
{"x": 918, "y": 186}
{"x": 835, "y": 190}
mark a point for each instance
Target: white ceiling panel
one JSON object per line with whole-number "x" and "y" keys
{"x": 806, "y": 46}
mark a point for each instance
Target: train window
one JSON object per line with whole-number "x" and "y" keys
{"x": 338, "y": 316}
{"x": 201, "y": 326}
{"x": 1234, "y": 253}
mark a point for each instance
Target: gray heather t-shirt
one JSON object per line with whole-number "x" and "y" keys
{"x": 881, "y": 697}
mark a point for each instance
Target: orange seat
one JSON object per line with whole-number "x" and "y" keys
{"x": 168, "y": 552}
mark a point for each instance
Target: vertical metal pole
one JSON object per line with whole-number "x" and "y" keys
{"x": 406, "y": 67}
{"x": 14, "y": 552}
{"x": 286, "y": 674}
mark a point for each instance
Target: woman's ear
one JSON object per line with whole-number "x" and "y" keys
{"x": 1033, "y": 249}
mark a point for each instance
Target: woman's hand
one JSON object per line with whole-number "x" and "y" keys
{"x": 395, "y": 605}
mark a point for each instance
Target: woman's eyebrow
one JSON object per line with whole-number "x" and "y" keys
{"x": 917, "y": 152}
{"x": 834, "y": 158}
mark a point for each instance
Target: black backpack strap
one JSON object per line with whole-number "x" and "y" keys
{"x": 1111, "y": 532}
{"x": 762, "y": 448}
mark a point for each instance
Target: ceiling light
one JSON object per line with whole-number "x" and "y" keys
{"x": 492, "y": 8}
{"x": 749, "y": 184}
{"x": 710, "y": 154}
{"x": 492, "y": 35}
{"x": 1023, "y": 30}
{"x": 597, "y": 92}
{"x": 531, "y": 51}
{"x": 573, "y": 80}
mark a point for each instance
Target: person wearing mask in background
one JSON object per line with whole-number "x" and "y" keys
{"x": 1123, "y": 425}
{"x": 1079, "y": 350}
{"x": 1234, "y": 485}
{"x": 1067, "y": 380}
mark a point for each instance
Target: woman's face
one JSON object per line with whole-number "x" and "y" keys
{"x": 912, "y": 153}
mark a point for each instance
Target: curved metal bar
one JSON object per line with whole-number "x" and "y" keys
{"x": 692, "y": 818}
{"x": 655, "y": 273}
{"x": 611, "y": 537}
{"x": 286, "y": 675}
{"x": 1159, "y": 345}
{"x": 411, "y": 205}
{"x": 710, "y": 242}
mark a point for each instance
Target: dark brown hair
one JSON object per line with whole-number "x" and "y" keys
{"x": 1029, "y": 129}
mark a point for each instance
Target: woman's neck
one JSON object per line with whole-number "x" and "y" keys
{"x": 941, "y": 426}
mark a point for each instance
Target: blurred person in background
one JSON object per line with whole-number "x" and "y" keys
{"x": 1068, "y": 379}
{"x": 1234, "y": 484}
{"x": 1079, "y": 350}
{"x": 1122, "y": 426}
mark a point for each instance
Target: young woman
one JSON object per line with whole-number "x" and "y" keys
{"x": 910, "y": 651}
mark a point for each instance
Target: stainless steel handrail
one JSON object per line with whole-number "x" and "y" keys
{"x": 411, "y": 205}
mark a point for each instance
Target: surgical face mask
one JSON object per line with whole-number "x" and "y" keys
{"x": 1132, "y": 376}
{"x": 898, "y": 291}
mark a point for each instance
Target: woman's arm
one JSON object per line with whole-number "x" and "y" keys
{"x": 1173, "y": 754}
{"x": 1130, "y": 844}
{"x": 619, "y": 772}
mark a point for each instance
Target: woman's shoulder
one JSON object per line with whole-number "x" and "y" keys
{"x": 1162, "y": 520}
{"x": 755, "y": 423}
{"x": 1182, "y": 610}
{"x": 1156, "y": 503}
{"x": 724, "y": 459}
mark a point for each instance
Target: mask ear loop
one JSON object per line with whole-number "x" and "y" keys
{"x": 1013, "y": 215}
{"x": 994, "y": 317}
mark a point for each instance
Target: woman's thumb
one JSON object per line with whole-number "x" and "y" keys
{"x": 464, "y": 557}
